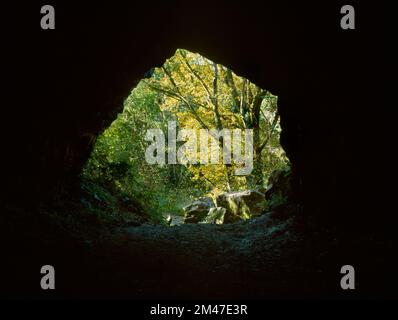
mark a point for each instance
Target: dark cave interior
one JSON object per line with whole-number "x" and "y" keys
{"x": 328, "y": 82}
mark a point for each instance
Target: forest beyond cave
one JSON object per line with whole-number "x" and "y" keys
{"x": 196, "y": 95}
{"x": 109, "y": 235}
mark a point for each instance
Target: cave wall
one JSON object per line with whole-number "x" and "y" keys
{"x": 71, "y": 82}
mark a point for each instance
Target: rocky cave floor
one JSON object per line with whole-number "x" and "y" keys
{"x": 208, "y": 260}
{"x": 270, "y": 256}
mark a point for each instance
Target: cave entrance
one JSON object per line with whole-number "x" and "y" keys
{"x": 195, "y": 143}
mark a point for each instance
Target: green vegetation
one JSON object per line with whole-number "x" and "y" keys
{"x": 198, "y": 94}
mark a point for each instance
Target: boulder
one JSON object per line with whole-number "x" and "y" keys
{"x": 241, "y": 205}
{"x": 198, "y": 210}
{"x": 176, "y": 220}
{"x": 215, "y": 215}
{"x": 173, "y": 219}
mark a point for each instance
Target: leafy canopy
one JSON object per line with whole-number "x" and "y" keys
{"x": 198, "y": 94}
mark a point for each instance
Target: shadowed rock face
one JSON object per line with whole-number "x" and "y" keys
{"x": 96, "y": 55}
{"x": 67, "y": 86}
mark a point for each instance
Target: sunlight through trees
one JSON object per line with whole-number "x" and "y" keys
{"x": 196, "y": 93}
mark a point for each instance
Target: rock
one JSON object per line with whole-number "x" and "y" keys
{"x": 173, "y": 219}
{"x": 167, "y": 218}
{"x": 279, "y": 191}
{"x": 176, "y": 220}
{"x": 215, "y": 215}
{"x": 198, "y": 210}
{"x": 241, "y": 205}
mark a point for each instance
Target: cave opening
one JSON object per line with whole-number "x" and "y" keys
{"x": 331, "y": 87}
{"x": 195, "y": 143}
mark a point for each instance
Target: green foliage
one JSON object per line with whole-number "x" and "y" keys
{"x": 197, "y": 93}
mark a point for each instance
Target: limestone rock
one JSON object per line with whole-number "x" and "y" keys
{"x": 173, "y": 219}
{"x": 280, "y": 189}
{"x": 215, "y": 215}
{"x": 241, "y": 205}
{"x": 198, "y": 210}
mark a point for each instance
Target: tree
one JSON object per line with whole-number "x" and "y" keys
{"x": 199, "y": 94}
{"x": 197, "y": 88}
